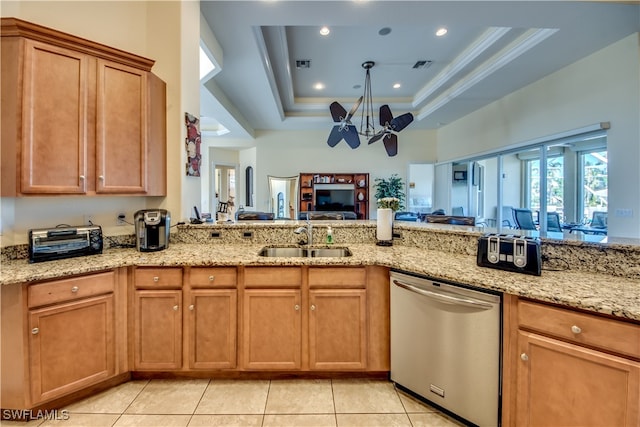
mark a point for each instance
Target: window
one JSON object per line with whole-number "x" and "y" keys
{"x": 594, "y": 185}
{"x": 565, "y": 175}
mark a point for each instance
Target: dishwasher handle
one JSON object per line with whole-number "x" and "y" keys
{"x": 446, "y": 299}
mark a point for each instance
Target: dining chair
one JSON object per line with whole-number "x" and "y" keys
{"x": 507, "y": 217}
{"x": 524, "y": 219}
{"x": 553, "y": 222}
{"x": 599, "y": 219}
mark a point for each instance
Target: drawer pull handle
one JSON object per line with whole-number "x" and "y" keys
{"x": 576, "y": 329}
{"x": 175, "y": 308}
{"x": 191, "y": 307}
{"x": 524, "y": 357}
{"x": 211, "y": 278}
{"x": 156, "y": 278}
{"x": 75, "y": 289}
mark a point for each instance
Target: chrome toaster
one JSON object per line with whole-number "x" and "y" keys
{"x": 520, "y": 254}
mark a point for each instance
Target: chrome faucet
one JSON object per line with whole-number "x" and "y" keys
{"x": 308, "y": 230}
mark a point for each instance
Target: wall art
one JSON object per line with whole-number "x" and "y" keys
{"x": 192, "y": 145}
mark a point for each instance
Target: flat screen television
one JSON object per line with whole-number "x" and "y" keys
{"x": 335, "y": 197}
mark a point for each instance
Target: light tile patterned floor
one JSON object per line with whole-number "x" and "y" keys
{"x": 247, "y": 403}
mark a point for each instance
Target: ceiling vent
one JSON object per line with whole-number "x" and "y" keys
{"x": 303, "y": 63}
{"x": 422, "y": 64}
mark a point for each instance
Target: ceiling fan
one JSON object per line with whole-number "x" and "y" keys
{"x": 345, "y": 129}
{"x": 391, "y": 126}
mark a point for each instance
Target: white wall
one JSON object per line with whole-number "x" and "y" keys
{"x": 146, "y": 28}
{"x": 289, "y": 153}
{"x": 602, "y": 87}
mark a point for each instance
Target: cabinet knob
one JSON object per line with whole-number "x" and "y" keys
{"x": 524, "y": 357}
{"x": 296, "y": 307}
{"x": 313, "y": 307}
{"x": 75, "y": 289}
{"x": 576, "y": 329}
{"x": 101, "y": 177}
{"x": 156, "y": 278}
{"x": 211, "y": 278}
{"x": 82, "y": 177}
{"x": 175, "y": 308}
{"x": 35, "y": 331}
{"x": 191, "y": 307}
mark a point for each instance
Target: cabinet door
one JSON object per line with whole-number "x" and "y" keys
{"x": 121, "y": 129}
{"x": 272, "y": 329}
{"x": 561, "y": 384}
{"x": 338, "y": 329}
{"x": 212, "y": 328}
{"x": 158, "y": 329}
{"x": 72, "y": 346}
{"x": 54, "y": 120}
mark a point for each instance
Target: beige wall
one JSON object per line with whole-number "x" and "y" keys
{"x": 602, "y": 87}
{"x": 151, "y": 29}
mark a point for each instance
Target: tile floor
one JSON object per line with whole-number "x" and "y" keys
{"x": 203, "y": 402}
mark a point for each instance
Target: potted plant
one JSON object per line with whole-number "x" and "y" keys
{"x": 390, "y": 187}
{"x": 390, "y": 197}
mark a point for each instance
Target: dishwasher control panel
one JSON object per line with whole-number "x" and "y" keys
{"x": 520, "y": 254}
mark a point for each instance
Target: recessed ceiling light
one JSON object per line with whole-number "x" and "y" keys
{"x": 325, "y": 31}
{"x": 441, "y": 32}
{"x": 384, "y": 31}
{"x": 318, "y": 86}
{"x": 396, "y": 85}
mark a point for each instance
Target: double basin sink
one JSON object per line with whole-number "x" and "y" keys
{"x": 280, "y": 251}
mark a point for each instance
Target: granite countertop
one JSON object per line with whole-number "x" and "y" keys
{"x": 600, "y": 293}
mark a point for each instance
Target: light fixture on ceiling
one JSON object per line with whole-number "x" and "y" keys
{"x": 441, "y": 31}
{"x": 324, "y": 31}
{"x": 344, "y": 129}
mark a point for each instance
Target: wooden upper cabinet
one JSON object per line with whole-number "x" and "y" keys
{"x": 121, "y": 129}
{"x": 54, "y": 110}
{"x": 78, "y": 117}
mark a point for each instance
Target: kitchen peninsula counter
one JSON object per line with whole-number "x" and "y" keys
{"x": 596, "y": 292}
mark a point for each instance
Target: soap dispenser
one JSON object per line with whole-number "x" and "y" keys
{"x": 329, "y": 235}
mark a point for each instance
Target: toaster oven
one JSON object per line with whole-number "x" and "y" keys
{"x": 46, "y": 244}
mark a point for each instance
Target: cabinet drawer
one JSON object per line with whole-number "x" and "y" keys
{"x": 337, "y": 277}
{"x": 70, "y": 289}
{"x": 607, "y": 334}
{"x": 261, "y": 277}
{"x": 212, "y": 277}
{"x": 154, "y": 278}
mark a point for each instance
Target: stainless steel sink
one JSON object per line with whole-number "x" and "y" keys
{"x": 330, "y": 252}
{"x": 304, "y": 252}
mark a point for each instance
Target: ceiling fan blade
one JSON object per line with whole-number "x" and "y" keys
{"x": 338, "y": 113}
{"x": 377, "y": 136}
{"x": 401, "y": 122}
{"x": 391, "y": 144}
{"x": 354, "y": 108}
{"x": 385, "y": 115}
{"x": 350, "y": 134}
{"x": 335, "y": 136}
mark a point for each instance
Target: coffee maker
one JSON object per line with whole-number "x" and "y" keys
{"x": 152, "y": 229}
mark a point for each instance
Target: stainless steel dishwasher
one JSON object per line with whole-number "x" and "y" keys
{"x": 446, "y": 346}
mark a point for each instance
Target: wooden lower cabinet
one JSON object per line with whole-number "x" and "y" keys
{"x": 72, "y": 346}
{"x": 157, "y": 329}
{"x": 272, "y": 329}
{"x": 338, "y": 329}
{"x": 562, "y": 384}
{"x": 211, "y": 321}
{"x": 565, "y": 367}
